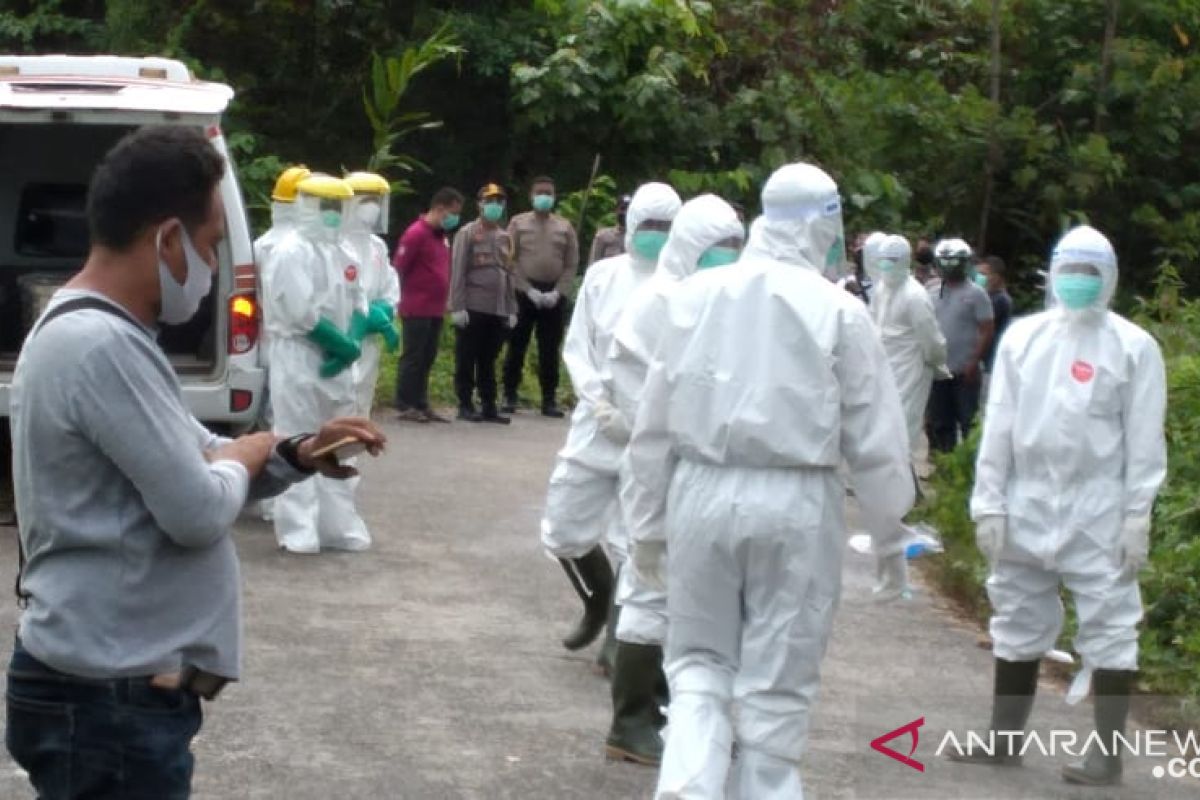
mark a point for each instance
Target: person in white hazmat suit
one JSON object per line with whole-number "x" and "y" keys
{"x": 283, "y": 221}
{"x": 765, "y": 378}
{"x": 706, "y": 230}
{"x": 903, "y": 313}
{"x": 581, "y": 501}
{"x": 365, "y": 223}
{"x": 310, "y": 304}
{"x": 1071, "y": 459}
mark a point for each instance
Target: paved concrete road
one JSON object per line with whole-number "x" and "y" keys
{"x": 430, "y": 667}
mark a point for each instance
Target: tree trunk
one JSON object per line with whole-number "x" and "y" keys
{"x": 993, "y": 156}
{"x": 1110, "y": 34}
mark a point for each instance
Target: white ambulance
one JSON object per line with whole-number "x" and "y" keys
{"x": 59, "y": 115}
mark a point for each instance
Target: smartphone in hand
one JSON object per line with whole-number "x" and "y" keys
{"x": 342, "y": 449}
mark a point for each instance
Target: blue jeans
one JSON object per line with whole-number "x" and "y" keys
{"x": 79, "y": 738}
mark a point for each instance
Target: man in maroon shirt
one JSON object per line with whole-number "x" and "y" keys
{"x": 423, "y": 261}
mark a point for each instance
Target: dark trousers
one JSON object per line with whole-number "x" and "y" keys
{"x": 475, "y": 352}
{"x": 549, "y": 324}
{"x": 953, "y": 405}
{"x": 99, "y": 738}
{"x": 421, "y": 338}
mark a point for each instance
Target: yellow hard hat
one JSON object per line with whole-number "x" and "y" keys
{"x": 325, "y": 186}
{"x": 285, "y": 184}
{"x": 368, "y": 183}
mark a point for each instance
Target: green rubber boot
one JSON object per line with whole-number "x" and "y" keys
{"x": 592, "y": 578}
{"x": 1111, "y": 688}
{"x": 608, "y": 651}
{"x": 637, "y": 720}
{"x": 1015, "y": 687}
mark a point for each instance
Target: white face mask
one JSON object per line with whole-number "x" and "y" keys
{"x": 368, "y": 215}
{"x": 180, "y": 302}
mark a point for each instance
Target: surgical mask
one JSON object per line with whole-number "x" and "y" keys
{"x": 492, "y": 212}
{"x": 981, "y": 281}
{"x": 717, "y": 257}
{"x": 649, "y": 244}
{"x": 835, "y": 256}
{"x": 368, "y": 214}
{"x": 180, "y": 302}
{"x": 450, "y": 222}
{"x": 543, "y": 202}
{"x": 1077, "y": 291}
{"x": 331, "y": 219}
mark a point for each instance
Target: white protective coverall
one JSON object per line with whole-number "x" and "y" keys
{"x": 379, "y": 283}
{"x": 314, "y": 275}
{"x": 766, "y": 377}
{"x": 581, "y": 501}
{"x": 703, "y": 222}
{"x": 903, "y": 313}
{"x": 1071, "y": 459}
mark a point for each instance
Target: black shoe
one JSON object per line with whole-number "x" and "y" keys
{"x": 637, "y": 720}
{"x": 432, "y": 416}
{"x": 469, "y": 414}
{"x": 509, "y": 406}
{"x": 490, "y": 415}
{"x": 1098, "y": 768}
{"x": 1015, "y": 687}
{"x": 552, "y": 410}
{"x": 592, "y": 577}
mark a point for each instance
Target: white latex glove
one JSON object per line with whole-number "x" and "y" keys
{"x": 459, "y": 319}
{"x": 537, "y": 298}
{"x": 612, "y": 422}
{"x": 942, "y": 373}
{"x": 649, "y": 564}
{"x": 990, "y": 533}
{"x": 511, "y": 322}
{"x": 891, "y": 578}
{"x": 1135, "y": 546}
{"x": 550, "y": 299}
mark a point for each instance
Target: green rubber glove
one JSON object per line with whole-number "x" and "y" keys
{"x": 334, "y": 366}
{"x": 380, "y": 321}
{"x": 334, "y": 343}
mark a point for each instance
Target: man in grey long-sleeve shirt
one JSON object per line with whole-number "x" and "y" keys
{"x": 125, "y": 500}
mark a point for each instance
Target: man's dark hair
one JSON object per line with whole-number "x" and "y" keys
{"x": 153, "y": 174}
{"x": 996, "y": 265}
{"x": 446, "y": 197}
{"x": 541, "y": 179}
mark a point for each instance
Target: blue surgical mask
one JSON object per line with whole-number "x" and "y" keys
{"x": 450, "y": 222}
{"x": 717, "y": 257}
{"x": 980, "y": 280}
{"x": 543, "y": 202}
{"x": 836, "y": 255}
{"x": 493, "y": 212}
{"x": 1077, "y": 291}
{"x": 331, "y": 219}
{"x": 649, "y": 244}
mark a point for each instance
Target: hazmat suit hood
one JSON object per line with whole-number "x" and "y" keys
{"x": 801, "y": 223}
{"x": 701, "y": 223}
{"x": 652, "y": 201}
{"x": 1085, "y": 246}
{"x": 870, "y": 253}
{"x": 283, "y": 215}
{"x": 309, "y": 223}
{"x": 893, "y": 260}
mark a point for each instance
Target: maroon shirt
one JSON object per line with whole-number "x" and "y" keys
{"x": 423, "y": 261}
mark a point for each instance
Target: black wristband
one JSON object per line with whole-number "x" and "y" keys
{"x": 289, "y": 450}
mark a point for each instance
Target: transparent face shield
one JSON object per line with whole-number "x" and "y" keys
{"x": 370, "y": 213}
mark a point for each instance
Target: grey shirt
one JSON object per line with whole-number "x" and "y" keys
{"x": 960, "y": 311}
{"x": 481, "y": 277}
{"x": 607, "y": 243}
{"x": 131, "y": 569}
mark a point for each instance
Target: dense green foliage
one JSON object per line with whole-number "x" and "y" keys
{"x": 892, "y": 96}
